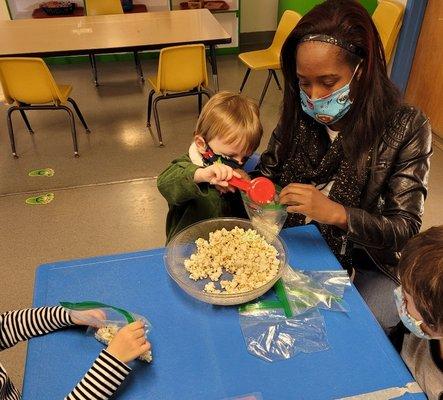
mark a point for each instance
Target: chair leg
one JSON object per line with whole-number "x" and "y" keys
{"x": 274, "y": 74}
{"x": 265, "y": 89}
{"x": 73, "y": 130}
{"x": 245, "y": 78}
{"x": 157, "y": 121}
{"x": 200, "y": 98}
{"x": 138, "y": 66}
{"x": 79, "y": 114}
{"x": 11, "y": 130}
{"x": 151, "y": 95}
{"x": 94, "y": 68}
{"x": 25, "y": 118}
{"x": 207, "y": 93}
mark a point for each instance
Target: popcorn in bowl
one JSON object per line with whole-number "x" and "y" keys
{"x": 244, "y": 254}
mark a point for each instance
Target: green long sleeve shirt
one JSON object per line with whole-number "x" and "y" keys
{"x": 190, "y": 202}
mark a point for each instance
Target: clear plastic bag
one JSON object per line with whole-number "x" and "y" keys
{"x": 106, "y": 321}
{"x": 309, "y": 289}
{"x": 334, "y": 282}
{"x": 267, "y": 219}
{"x": 271, "y": 336}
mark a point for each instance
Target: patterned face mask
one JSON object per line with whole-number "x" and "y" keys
{"x": 331, "y": 108}
{"x": 209, "y": 158}
{"x": 409, "y": 322}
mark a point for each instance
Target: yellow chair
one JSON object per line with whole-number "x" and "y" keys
{"x": 108, "y": 7}
{"x": 270, "y": 58}
{"x": 181, "y": 72}
{"x": 29, "y": 85}
{"x": 388, "y": 18}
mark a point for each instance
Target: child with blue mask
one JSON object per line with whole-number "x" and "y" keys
{"x": 419, "y": 302}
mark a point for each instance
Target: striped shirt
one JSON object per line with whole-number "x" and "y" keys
{"x": 99, "y": 383}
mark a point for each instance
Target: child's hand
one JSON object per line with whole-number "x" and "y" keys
{"x": 129, "y": 342}
{"x": 216, "y": 174}
{"x": 243, "y": 174}
{"x": 230, "y": 188}
{"x": 87, "y": 317}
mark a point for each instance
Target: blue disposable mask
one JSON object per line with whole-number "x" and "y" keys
{"x": 409, "y": 322}
{"x": 331, "y": 108}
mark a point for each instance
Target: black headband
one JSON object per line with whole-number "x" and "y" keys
{"x": 352, "y": 48}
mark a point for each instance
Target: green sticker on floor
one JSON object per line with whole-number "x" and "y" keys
{"x": 42, "y": 172}
{"x": 40, "y": 200}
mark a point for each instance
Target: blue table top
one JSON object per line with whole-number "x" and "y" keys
{"x": 198, "y": 349}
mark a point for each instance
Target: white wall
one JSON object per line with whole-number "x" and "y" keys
{"x": 258, "y": 15}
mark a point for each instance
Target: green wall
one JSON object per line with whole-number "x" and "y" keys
{"x": 303, "y": 6}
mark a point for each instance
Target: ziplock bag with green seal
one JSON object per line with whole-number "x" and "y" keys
{"x": 267, "y": 219}
{"x": 107, "y": 321}
{"x": 308, "y": 289}
{"x": 271, "y": 336}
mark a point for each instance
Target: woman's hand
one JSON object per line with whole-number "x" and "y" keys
{"x": 309, "y": 201}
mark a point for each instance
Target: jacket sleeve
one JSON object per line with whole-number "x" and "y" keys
{"x": 272, "y": 159}
{"x": 20, "y": 325}
{"x": 102, "y": 380}
{"x": 176, "y": 183}
{"x": 404, "y": 195}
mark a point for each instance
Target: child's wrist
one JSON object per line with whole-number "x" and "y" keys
{"x": 198, "y": 178}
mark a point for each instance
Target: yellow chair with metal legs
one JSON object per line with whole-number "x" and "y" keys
{"x": 270, "y": 58}
{"x": 388, "y": 18}
{"x": 28, "y": 84}
{"x": 181, "y": 72}
{"x": 108, "y": 7}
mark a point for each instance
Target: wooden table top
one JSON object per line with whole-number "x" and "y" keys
{"x": 102, "y": 33}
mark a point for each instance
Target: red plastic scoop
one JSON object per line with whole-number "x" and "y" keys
{"x": 260, "y": 190}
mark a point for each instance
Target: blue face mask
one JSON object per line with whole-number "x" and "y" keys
{"x": 329, "y": 109}
{"x": 409, "y": 322}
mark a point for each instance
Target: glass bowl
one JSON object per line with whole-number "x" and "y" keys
{"x": 183, "y": 245}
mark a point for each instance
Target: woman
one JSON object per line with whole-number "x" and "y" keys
{"x": 350, "y": 156}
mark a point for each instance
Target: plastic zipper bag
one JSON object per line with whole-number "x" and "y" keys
{"x": 267, "y": 219}
{"x": 271, "y": 336}
{"x": 322, "y": 289}
{"x": 108, "y": 322}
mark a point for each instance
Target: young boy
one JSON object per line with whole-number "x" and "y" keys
{"x": 420, "y": 305}
{"x": 196, "y": 185}
{"x": 107, "y": 372}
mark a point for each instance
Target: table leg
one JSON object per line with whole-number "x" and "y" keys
{"x": 214, "y": 67}
{"x": 94, "y": 67}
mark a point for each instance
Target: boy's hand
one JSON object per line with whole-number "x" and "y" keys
{"x": 87, "y": 317}
{"x": 215, "y": 174}
{"x": 129, "y": 342}
{"x": 225, "y": 189}
{"x": 243, "y": 174}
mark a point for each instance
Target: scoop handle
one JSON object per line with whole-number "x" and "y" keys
{"x": 240, "y": 183}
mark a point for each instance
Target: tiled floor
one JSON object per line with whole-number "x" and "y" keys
{"x": 106, "y": 201}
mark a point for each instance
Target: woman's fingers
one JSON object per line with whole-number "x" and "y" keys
{"x": 291, "y": 199}
{"x": 296, "y": 209}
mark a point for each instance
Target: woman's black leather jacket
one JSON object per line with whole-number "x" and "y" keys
{"x": 391, "y": 206}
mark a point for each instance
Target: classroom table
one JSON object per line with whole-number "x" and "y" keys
{"x": 198, "y": 349}
{"x": 112, "y": 33}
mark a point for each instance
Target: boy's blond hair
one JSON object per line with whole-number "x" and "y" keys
{"x": 234, "y": 118}
{"x": 421, "y": 274}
